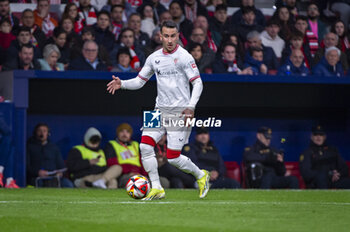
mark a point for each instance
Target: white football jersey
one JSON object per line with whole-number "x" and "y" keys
{"x": 173, "y": 71}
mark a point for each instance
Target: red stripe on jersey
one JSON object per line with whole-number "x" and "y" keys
{"x": 194, "y": 78}
{"x": 175, "y": 49}
{"x": 148, "y": 140}
{"x": 143, "y": 78}
{"x": 172, "y": 154}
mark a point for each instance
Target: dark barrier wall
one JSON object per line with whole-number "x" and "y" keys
{"x": 72, "y": 101}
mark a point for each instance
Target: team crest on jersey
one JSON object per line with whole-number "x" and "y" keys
{"x": 157, "y": 61}
{"x": 194, "y": 65}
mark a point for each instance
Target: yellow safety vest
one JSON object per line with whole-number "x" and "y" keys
{"x": 127, "y": 154}
{"x": 88, "y": 154}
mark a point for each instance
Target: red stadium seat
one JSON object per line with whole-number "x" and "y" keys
{"x": 233, "y": 171}
{"x": 293, "y": 170}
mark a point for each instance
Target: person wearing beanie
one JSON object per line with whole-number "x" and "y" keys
{"x": 125, "y": 152}
{"x": 321, "y": 165}
{"x": 87, "y": 164}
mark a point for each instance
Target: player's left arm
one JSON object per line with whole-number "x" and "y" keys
{"x": 193, "y": 76}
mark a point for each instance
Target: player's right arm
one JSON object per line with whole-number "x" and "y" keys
{"x": 135, "y": 83}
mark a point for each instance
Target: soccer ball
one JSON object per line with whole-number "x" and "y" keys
{"x": 138, "y": 187}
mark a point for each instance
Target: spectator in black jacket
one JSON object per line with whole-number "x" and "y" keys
{"x": 264, "y": 164}
{"x": 5, "y": 12}
{"x": 141, "y": 38}
{"x": 177, "y": 13}
{"x": 237, "y": 16}
{"x": 89, "y": 61}
{"x": 103, "y": 36}
{"x": 24, "y": 60}
{"x": 321, "y": 165}
{"x": 43, "y": 157}
{"x": 219, "y": 23}
{"x": 194, "y": 8}
{"x": 88, "y": 166}
{"x": 206, "y": 156}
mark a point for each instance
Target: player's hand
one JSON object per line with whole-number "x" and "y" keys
{"x": 188, "y": 113}
{"x": 214, "y": 175}
{"x": 114, "y": 85}
{"x": 42, "y": 173}
{"x": 336, "y": 176}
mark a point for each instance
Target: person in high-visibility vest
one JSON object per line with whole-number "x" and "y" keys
{"x": 125, "y": 152}
{"x": 87, "y": 164}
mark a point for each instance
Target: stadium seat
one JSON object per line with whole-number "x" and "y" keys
{"x": 233, "y": 171}
{"x": 293, "y": 170}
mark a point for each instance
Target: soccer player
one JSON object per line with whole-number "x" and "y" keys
{"x": 174, "y": 68}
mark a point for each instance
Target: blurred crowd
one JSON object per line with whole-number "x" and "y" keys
{"x": 300, "y": 38}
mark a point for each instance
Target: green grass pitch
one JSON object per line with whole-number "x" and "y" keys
{"x": 81, "y": 210}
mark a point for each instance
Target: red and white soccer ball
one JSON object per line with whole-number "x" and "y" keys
{"x": 138, "y": 187}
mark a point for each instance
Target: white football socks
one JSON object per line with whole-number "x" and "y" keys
{"x": 150, "y": 164}
{"x": 186, "y": 165}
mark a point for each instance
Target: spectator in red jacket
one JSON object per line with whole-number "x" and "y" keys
{"x": 6, "y": 37}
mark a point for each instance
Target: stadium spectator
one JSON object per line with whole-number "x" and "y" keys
{"x": 206, "y": 156}
{"x": 59, "y": 38}
{"x": 148, "y": 22}
{"x": 6, "y": 156}
{"x": 43, "y": 19}
{"x": 228, "y": 63}
{"x": 290, "y": 4}
{"x": 264, "y": 164}
{"x": 296, "y": 42}
{"x": 24, "y": 60}
{"x": 5, "y": 12}
{"x": 321, "y": 165}
{"x": 123, "y": 61}
{"x": 211, "y": 6}
{"x": 6, "y": 36}
{"x": 310, "y": 39}
{"x": 117, "y": 22}
{"x": 315, "y": 24}
{"x": 203, "y": 60}
{"x": 231, "y": 37}
{"x": 38, "y": 37}
{"x": 128, "y": 9}
{"x": 125, "y": 153}
{"x": 127, "y": 39}
{"x": 295, "y": 65}
{"x": 87, "y": 13}
{"x": 331, "y": 40}
{"x": 51, "y": 55}
{"x": 202, "y": 22}
{"x": 43, "y": 157}
{"x": 340, "y": 29}
{"x": 103, "y": 36}
{"x": 219, "y": 24}
{"x": 255, "y": 61}
{"x": 185, "y": 26}
{"x": 269, "y": 37}
{"x": 329, "y": 64}
{"x": 156, "y": 43}
{"x": 270, "y": 59}
{"x": 165, "y": 16}
{"x": 141, "y": 39}
{"x": 342, "y": 7}
{"x": 176, "y": 178}
{"x": 158, "y": 8}
{"x": 89, "y": 60}
{"x": 67, "y": 25}
{"x": 88, "y": 166}
{"x": 193, "y": 8}
{"x": 23, "y": 37}
{"x": 286, "y": 22}
{"x": 71, "y": 11}
{"x": 238, "y": 15}
{"x": 198, "y": 36}
{"x": 247, "y": 23}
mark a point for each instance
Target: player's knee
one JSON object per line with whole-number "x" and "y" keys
{"x": 146, "y": 150}
{"x": 172, "y": 154}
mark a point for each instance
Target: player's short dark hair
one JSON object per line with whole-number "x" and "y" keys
{"x": 117, "y": 6}
{"x": 103, "y": 12}
{"x": 301, "y": 17}
{"x": 168, "y": 24}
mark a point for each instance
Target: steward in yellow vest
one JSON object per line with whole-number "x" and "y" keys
{"x": 87, "y": 163}
{"x": 124, "y": 152}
